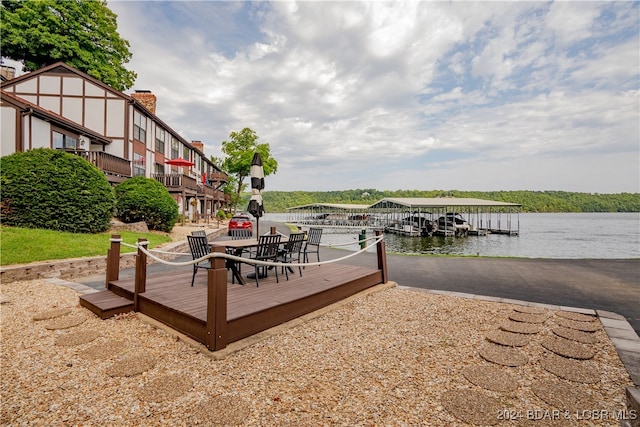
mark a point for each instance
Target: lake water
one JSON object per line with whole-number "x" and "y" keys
{"x": 542, "y": 235}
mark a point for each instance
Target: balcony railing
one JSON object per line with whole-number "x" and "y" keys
{"x": 218, "y": 177}
{"x": 119, "y": 169}
{"x": 175, "y": 181}
{"x": 108, "y": 163}
{"x": 210, "y": 193}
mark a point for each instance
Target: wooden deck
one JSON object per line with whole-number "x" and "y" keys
{"x": 214, "y": 312}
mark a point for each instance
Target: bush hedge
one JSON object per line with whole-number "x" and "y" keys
{"x": 55, "y": 190}
{"x": 145, "y": 199}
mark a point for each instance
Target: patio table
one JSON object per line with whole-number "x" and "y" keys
{"x": 237, "y": 248}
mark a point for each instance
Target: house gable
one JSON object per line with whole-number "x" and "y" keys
{"x": 76, "y": 96}
{"x": 38, "y": 123}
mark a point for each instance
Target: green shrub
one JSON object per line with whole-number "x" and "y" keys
{"x": 55, "y": 190}
{"x": 145, "y": 199}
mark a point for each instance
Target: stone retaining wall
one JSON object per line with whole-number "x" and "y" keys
{"x": 72, "y": 268}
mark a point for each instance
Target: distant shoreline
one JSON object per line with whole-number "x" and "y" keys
{"x": 531, "y": 201}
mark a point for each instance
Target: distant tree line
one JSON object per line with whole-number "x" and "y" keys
{"x": 531, "y": 201}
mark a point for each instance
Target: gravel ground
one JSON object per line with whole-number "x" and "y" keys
{"x": 395, "y": 357}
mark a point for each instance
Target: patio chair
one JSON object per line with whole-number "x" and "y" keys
{"x": 291, "y": 252}
{"x": 267, "y": 250}
{"x": 313, "y": 243}
{"x": 199, "y": 247}
{"x": 238, "y": 234}
{"x": 199, "y": 233}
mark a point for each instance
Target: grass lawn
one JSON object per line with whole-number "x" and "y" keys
{"x": 25, "y": 245}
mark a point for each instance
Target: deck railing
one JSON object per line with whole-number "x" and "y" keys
{"x": 177, "y": 181}
{"x": 217, "y": 177}
{"x": 121, "y": 168}
{"x": 106, "y": 162}
{"x": 216, "y": 333}
{"x": 211, "y": 193}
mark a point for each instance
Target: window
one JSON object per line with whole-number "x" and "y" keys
{"x": 159, "y": 168}
{"x": 175, "y": 148}
{"x": 139, "y": 127}
{"x": 196, "y": 161}
{"x": 185, "y": 152}
{"x": 161, "y": 137}
{"x": 63, "y": 141}
{"x": 138, "y": 164}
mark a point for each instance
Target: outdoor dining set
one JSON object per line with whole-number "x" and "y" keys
{"x": 268, "y": 248}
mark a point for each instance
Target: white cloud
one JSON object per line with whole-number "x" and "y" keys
{"x": 572, "y": 23}
{"x": 393, "y": 95}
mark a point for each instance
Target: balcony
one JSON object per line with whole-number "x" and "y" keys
{"x": 177, "y": 183}
{"x": 118, "y": 169}
{"x": 115, "y": 168}
{"x": 217, "y": 177}
{"x": 209, "y": 192}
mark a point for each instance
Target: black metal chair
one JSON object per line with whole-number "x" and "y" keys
{"x": 238, "y": 234}
{"x": 267, "y": 250}
{"x": 313, "y": 243}
{"x": 291, "y": 252}
{"x": 199, "y": 247}
{"x": 201, "y": 233}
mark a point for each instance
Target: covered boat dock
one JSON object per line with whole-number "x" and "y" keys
{"x": 331, "y": 215}
{"x": 440, "y": 216}
{"x": 447, "y": 216}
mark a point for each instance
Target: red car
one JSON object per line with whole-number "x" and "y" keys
{"x": 240, "y": 221}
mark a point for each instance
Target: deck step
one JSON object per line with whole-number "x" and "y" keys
{"x": 106, "y": 304}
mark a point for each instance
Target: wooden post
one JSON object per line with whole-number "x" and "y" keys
{"x": 382, "y": 257}
{"x": 140, "y": 285}
{"x": 217, "y": 335}
{"x": 113, "y": 260}
{"x": 184, "y": 201}
{"x": 273, "y": 231}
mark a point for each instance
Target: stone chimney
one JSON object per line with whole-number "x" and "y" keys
{"x": 7, "y": 72}
{"x": 199, "y": 145}
{"x": 146, "y": 98}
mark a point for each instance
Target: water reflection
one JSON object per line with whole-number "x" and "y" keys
{"x": 583, "y": 235}
{"x": 424, "y": 245}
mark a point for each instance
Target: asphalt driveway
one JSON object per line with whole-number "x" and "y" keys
{"x": 603, "y": 284}
{"x": 599, "y": 284}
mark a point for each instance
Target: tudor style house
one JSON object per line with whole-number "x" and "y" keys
{"x": 63, "y": 108}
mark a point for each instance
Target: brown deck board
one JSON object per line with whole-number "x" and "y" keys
{"x": 106, "y": 304}
{"x": 170, "y": 298}
{"x": 174, "y": 290}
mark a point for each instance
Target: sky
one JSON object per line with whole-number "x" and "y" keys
{"x": 478, "y": 96}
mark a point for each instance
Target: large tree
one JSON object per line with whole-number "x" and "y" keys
{"x": 239, "y": 152}
{"x": 82, "y": 33}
